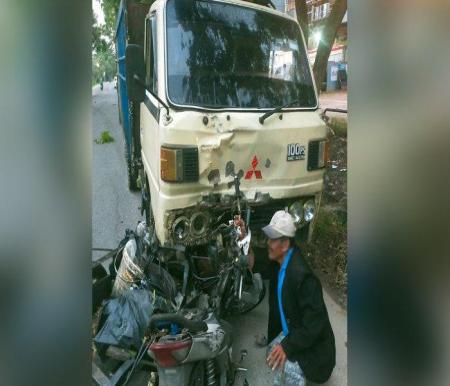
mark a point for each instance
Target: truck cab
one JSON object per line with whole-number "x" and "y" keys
{"x": 224, "y": 91}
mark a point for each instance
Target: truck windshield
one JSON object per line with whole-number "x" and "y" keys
{"x": 229, "y": 56}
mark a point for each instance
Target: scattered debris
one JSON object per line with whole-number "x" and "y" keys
{"x": 105, "y": 137}
{"x": 261, "y": 340}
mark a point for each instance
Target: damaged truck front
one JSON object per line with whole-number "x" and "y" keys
{"x": 219, "y": 89}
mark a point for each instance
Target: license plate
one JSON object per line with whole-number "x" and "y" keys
{"x": 295, "y": 152}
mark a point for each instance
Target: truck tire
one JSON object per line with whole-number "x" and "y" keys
{"x": 132, "y": 164}
{"x": 146, "y": 200}
{"x": 132, "y": 170}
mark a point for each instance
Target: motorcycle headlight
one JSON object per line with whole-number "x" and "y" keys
{"x": 309, "y": 210}
{"x": 180, "y": 228}
{"x": 296, "y": 211}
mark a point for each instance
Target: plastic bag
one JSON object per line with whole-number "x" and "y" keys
{"x": 127, "y": 317}
{"x": 291, "y": 374}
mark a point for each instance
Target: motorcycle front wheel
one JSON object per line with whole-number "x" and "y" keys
{"x": 230, "y": 304}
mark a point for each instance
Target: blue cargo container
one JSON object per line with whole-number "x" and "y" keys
{"x": 121, "y": 43}
{"x": 129, "y": 30}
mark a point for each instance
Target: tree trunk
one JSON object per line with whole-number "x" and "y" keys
{"x": 301, "y": 11}
{"x": 329, "y": 31}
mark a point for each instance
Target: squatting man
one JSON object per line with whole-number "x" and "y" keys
{"x": 302, "y": 347}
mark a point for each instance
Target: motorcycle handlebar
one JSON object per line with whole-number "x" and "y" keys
{"x": 192, "y": 325}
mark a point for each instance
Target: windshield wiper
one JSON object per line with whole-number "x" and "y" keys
{"x": 262, "y": 118}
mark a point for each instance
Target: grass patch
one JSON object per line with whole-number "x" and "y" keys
{"x": 331, "y": 224}
{"x": 105, "y": 137}
{"x": 327, "y": 252}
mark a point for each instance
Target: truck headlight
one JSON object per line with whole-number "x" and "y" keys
{"x": 296, "y": 211}
{"x": 179, "y": 164}
{"x": 318, "y": 154}
{"x": 180, "y": 228}
{"x": 199, "y": 223}
{"x": 309, "y": 210}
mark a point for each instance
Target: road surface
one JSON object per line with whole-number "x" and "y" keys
{"x": 333, "y": 99}
{"x": 115, "y": 208}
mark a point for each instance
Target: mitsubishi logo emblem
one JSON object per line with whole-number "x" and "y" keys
{"x": 250, "y": 172}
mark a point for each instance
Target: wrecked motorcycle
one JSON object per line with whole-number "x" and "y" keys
{"x": 187, "y": 337}
{"x": 193, "y": 346}
{"x": 194, "y": 351}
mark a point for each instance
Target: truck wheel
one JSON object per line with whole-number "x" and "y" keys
{"x": 132, "y": 169}
{"x": 132, "y": 178}
{"x": 146, "y": 200}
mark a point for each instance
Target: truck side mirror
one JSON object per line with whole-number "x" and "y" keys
{"x": 135, "y": 72}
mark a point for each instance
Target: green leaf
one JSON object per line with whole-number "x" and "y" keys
{"x": 105, "y": 137}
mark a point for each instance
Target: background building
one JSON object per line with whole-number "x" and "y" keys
{"x": 318, "y": 11}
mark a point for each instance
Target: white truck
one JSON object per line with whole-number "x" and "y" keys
{"x": 221, "y": 91}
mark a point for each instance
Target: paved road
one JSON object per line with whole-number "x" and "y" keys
{"x": 115, "y": 208}
{"x": 333, "y": 99}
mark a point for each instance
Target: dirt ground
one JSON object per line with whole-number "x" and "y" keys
{"x": 327, "y": 254}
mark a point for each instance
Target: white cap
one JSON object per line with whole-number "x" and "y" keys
{"x": 281, "y": 225}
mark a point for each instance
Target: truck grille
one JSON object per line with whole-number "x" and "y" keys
{"x": 313, "y": 155}
{"x": 190, "y": 165}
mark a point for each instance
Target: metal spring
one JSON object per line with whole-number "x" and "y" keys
{"x": 210, "y": 373}
{"x": 129, "y": 271}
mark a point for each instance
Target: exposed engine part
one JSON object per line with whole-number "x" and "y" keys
{"x": 210, "y": 373}
{"x": 130, "y": 271}
{"x": 193, "y": 313}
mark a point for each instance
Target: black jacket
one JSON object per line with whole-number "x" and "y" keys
{"x": 310, "y": 341}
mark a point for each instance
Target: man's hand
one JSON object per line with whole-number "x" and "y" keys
{"x": 277, "y": 357}
{"x": 239, "y": 222}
